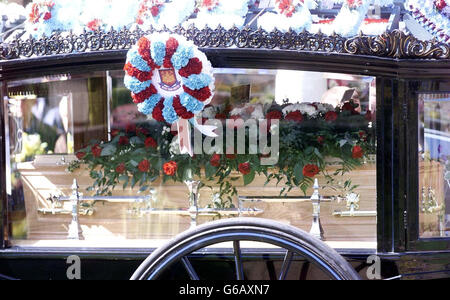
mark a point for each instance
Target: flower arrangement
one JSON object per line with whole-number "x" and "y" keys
{"x": 49, "y": 16}
{"x": 310, "y": 134}
{"x": 159, "y": 13}
{"x": 227, "y": 13}
{"x": 289, "y": 14}
{"x": 434, "y": 15}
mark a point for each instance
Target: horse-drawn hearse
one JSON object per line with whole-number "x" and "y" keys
{"x": 227, "y": 140}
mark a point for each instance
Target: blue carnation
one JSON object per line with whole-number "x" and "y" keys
{"x": 137, "y": 61}
{"x": 197, "y": 81}
{"x": 168, "y": 112}
{"x": 191, "y": 103}
{"x": 135, "y": 85}
{"x": 182, "y": 56}
{"x": 148, "y": 105}
{"x": 158, "y": 50}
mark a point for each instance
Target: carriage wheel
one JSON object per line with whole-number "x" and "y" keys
{"x": 293, "y": 240}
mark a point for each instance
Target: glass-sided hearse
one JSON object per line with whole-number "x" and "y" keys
{"x": 363, "y": 167}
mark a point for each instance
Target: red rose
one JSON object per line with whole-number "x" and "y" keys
{"x": 350, "y": 107}
{"x": 120, "y": 169}
{"x": 80, "y": 155}
{"x": 150, "y": 143}
{"x": 115, "y": 133}
{"x": 363, "y": 135}
{"x": 130, "y": 128}
{"x": 123, "y": 141}
{"x": 295, "y": 116}
{"x": 320, "y": 139}
{"x": 144, "y": 166}
{"x": 143, "y": 131}
{"x": 170, "y": 168}
{"x": 331, "y": 116}
{"x": 357, "y": 152}
{"x": 310, "y": 170}
{"x": 215, "y": 160}
{"x": 96, "y": 150}
{"x": 274, "y": 115}
{"x": 245, "y": 168}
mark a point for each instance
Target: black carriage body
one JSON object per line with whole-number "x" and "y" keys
{"x": 403, "y": 67}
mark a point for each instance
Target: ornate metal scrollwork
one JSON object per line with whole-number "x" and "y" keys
{"x": 396, "y": 44}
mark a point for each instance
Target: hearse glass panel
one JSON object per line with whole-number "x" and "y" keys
{"x": 86, "y": 168}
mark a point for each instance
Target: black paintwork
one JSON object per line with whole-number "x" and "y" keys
{"x": 398, "y": 82}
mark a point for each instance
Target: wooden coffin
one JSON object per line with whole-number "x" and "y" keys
{"x": 115, "y": 221}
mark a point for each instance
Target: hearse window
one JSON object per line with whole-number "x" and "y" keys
{"x": 79, "y": 140}
{"x": 434, "y": 165}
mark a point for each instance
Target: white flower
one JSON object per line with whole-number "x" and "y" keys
{"x": 304, "y": 108}
{"x": 258, "y": 113}
{"x": 324, "y": 107}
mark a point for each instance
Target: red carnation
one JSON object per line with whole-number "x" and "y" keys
{"x": 123, "y": 141}
{"x": 96, "y": 150}
{"x": 144, "y": 166}
{"x": 180, "y": 109}
{"x": 295, "y": 116}
{"x": 120, "y": 169}
{"x": 286, "y": 7}
{"x": 245, "y": 168}
{"x": 170, "y": 168}
{"x": 150, "y": 143}
{"x": 440, "y": 4}
{"x": 80, "y": 155}
{"x": 157, "y": 111}
{"x": 47, "y": 16}
{"x": 215, "y": 160}
{"x": 154, "y": 10}
{"x": 331, "y": 116}
{"x": 274, "y": 115}
{"x": 320, "y": 139}
{"x": 194, "y": 66}
{"x": 310, "y": 170}
{"x": 171, "y": 48}
{"x": 357, "y": 152}
{"x": 201, "y": 94}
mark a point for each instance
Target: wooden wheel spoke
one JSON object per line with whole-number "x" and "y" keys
{"x": 286, "y": 265}
{"x": 189, "y": 268}
{"x": 238, "y": 261}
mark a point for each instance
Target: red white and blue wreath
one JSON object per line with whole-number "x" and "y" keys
{"x": 171, "y": 81}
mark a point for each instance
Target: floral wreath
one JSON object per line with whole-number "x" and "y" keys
{"x": 171, "y": 80}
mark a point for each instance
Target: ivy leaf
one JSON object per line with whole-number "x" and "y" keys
{"x": 109, "y": 150}
{"x": 298, "y": 172}
{"x": 210, "y": 170}
{"x": 249, "y": 177}
{"x": 342, "y": 143}
{"x": 143, "y": 189}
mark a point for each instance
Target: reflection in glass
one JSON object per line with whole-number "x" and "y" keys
{"x": 89, "y": 125}
{"x": 434, "y": 166}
